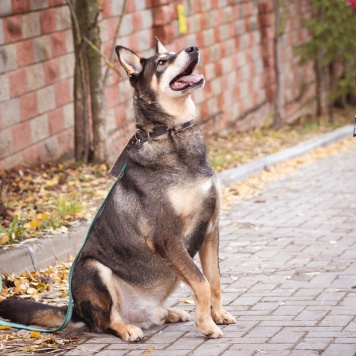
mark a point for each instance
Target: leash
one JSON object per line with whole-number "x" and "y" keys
{"x": 70, "y": 307}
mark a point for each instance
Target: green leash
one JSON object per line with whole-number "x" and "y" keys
{"x": 69, "y": 312}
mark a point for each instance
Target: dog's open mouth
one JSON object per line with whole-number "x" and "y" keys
{"x": 187, "y": 79}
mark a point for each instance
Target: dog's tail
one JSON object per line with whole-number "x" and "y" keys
{"x": 27, "y": 312}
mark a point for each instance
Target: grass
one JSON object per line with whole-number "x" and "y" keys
{"x": 57, "y": 216}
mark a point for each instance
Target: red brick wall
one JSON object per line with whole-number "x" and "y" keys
{"x": 36, "y": 70}
{"x": 236, "y": 43}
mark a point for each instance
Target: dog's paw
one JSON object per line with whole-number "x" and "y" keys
{"x": 210, "y": 329}
{"x": 131, "y": 333}
{"x": 222, "y": 317}
{"x": 177, "y": 315}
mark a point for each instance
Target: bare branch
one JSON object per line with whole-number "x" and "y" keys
{"x": 75, "y": 20}
{"x": 112, "y": 56}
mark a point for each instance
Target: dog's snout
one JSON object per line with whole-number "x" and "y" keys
{"x": 191, "y": 49}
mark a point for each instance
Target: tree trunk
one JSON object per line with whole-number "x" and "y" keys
{"x": 88, "y": 82}
{"x": 81, "y": 124}
{"x": 81, "y": 97}
{"x": 320, "y": 13}
{"x": 96, "y": 84}
{"x": 331, "y": 92}
{"x": 318, "y": 90}
{"x": 278, "y": 120}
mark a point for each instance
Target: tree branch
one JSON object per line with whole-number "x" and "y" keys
{"x": 112, "y": 56}
{"x": 75, "y": 20}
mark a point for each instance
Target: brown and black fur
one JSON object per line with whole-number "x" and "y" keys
{"x": 156, "y": 218}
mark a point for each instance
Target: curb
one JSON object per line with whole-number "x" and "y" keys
{"x": 39, "y": 254}
{"x": 245, "y": 171}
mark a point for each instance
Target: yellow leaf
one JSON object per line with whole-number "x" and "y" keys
{"x": 4, "y": 238}
{"x": 35, "y": 334}
{"x": 51, "y": 183}
{"x": 34, "y": 224}
{"x": 5, "y": 327}
{"x": 31, "y": 291}
{"x": 188, "y": 301}
{"x": 148, "y": 351}
{"x": 23, "y": 286}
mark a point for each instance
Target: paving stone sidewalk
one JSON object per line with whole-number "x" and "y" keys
{"x": 288, "y": 267}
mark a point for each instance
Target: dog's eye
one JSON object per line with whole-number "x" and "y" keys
{"x": 161, "y": 62}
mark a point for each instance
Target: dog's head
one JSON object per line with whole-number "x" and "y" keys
{"x": 163, "y": 83}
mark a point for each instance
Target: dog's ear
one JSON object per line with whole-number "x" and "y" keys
{"x": 160, "y": 49}
{"x": 129, "y": 60}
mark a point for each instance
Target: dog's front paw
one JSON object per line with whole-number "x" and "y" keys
{"x": 222, "y": 317}
{"x": 210, "y": 329}
{"x": 131, "y": 333}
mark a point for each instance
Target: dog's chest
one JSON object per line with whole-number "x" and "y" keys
{"x": 188, "y": 199}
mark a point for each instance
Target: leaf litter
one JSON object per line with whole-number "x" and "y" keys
{"x": 251, "y": 187}
{"x": 48, "y": 286}
{"x": 38, "y": 202}
{"x": 36, "y": 190}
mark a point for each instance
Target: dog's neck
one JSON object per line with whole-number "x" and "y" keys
{"x": 151, "y": 114}
{"x": 180, "y": 110}
{"x": 143, "y": 135}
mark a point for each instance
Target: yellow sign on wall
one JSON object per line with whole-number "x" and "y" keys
{"x": 182, "y": 20}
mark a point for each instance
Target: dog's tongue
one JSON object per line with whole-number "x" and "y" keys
{"x": 187, "y": 79}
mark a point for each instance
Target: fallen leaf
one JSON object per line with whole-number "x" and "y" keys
{"x": 148, "y": 351}
{"x": 55, "y": 295}
{"x": 35, "y": 224}
{"x": 188, "y": 301}
{"x": 31, "y": 291}
{"x": 35, "y": 334}
{"x": 4, "y": 238}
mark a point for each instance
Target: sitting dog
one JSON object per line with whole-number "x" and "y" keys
{"x": 158, "y": 215}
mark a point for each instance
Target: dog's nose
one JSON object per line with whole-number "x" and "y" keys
{"x": 191, "y": 49}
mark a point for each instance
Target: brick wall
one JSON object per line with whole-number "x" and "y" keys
{"x": 36, "y": 70}
{"x": 236, "y": 43}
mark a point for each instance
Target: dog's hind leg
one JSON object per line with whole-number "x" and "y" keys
{"x": 209, "y": 259}
{"x": 127, "y": 332}
{"x": 176, "y": 315}
{"x": 97, "y": 301}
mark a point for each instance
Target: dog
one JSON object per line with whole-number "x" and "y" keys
{"x": 161, "y": 212}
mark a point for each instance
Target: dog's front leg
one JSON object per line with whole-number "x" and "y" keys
{"x": 183, "y": 265}
{"x": 209, "y": 258}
